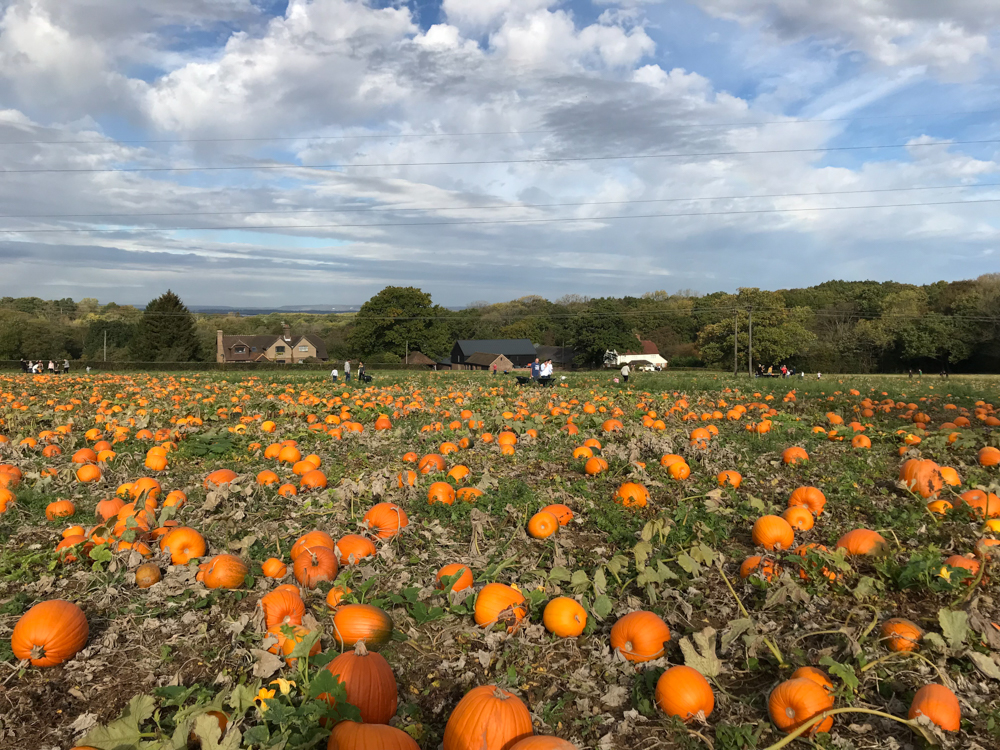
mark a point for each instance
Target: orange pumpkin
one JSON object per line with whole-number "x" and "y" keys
{"x": 773, "y": 533}
{"x": 369, "y": 682}
{"x": 487, "y": 718}
{"x": 564, "y": 617}
{"x": 640, "y": 636}
{"x": 315, "y": 564}
{"x": 463, "y": 581}
{"x": 938, "y": 704}
{"x": 499, "y": 603}
{"x": 353, "y": 623}
{"x": 796, "y": 701}
{"x": 901, "y": 635}
{"x": 223, "y": 572}
{"x": 683, "y": 692}
{"x": 385, "y": 520}
{"x": 50, "y": 633}
{"x": 542, "y": 525}
{"x": 862, "y": 542}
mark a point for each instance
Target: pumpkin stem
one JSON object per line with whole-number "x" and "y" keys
{"x": 37, "y": 651}
{"x": 360, "y": 649}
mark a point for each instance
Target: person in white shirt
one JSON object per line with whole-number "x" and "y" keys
{"x": 334, "y": 374}
{"x": 625, "y": 372}
{"x": 547, "y": 368}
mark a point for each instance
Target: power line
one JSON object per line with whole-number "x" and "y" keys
{"x": 487, "y": 162}
{"x": 473, "y": 222}
{"x": 365, "y": 209}
{"x": 372, "y": 136}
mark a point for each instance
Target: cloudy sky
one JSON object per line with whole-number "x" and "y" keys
{"x": 262, "y": 152}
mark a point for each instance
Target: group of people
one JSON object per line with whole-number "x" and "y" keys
{"x": 38, "y": 367}
{"x": 782, "y": 371}
{"x": 541, "y": 369}
{"x": 335, "y": 374}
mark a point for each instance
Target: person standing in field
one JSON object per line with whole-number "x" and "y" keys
{"x": 334, "y": 375}
{"x": 65, "y": 367}
{"x": 347, "y": 371}
{"x": 626, "y": 371}
{"x": 52, "y": 367}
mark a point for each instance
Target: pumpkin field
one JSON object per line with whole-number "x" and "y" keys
{"x": 270, "y": 560}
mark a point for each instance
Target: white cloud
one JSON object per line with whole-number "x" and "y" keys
{"x": 544, "y": 85}
{"x": 943, "y": 35}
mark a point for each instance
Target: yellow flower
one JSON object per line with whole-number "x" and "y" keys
{"x": 945, "y": 573}
{"x": 263, "y": 696}
{"x": 283, "y": 685}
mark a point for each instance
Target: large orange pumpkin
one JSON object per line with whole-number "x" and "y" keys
{"x": 223, "y": 572}
{"x": 315, "y": 564}
{"x": 487, "y": 718}
{"x": 351, "y": 735}
{"x": 683, "y": 692}
{"x": 640, "y": 636}
{"x": 361, "y": 622}
{"x": 50, "y": 633}
{"x": 498, "y": 602}
{"x": 796, "y": 701}
{"x": 938, "y": 704}
{"x": 386, "y": 520}
{"x": 369, "y": 682}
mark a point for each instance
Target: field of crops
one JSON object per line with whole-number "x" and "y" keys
{"x": 686, "y": 561}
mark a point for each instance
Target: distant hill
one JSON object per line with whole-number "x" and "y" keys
{"x": 308, "y": 309}
{"x": 302, "y": 309}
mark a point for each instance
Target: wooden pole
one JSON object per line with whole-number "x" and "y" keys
{"x": 750, "y": 349}
{"x": 736, "y": 342}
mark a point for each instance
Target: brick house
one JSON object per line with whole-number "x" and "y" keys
{"x": 520, "y": 352}
{"x": 288, "y": 348}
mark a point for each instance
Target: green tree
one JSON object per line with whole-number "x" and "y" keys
{"x": 600, "y": 328}
{"x": 120, "y": 338}
{"x": 400, "y": 317}
{"x": 780, "y": 334}
{"x": 166, "y": 332}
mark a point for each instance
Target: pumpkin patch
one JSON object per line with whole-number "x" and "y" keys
{"x": 460, "y": 561}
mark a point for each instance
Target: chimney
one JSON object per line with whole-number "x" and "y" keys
{"x": 220, "y": 353}
{"x": 287, "y": 335}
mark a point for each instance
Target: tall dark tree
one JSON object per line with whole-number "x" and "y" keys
{"x": 166, "y": 332}
{"x": 398, "y": 317}
{"x": 117, "y": 335}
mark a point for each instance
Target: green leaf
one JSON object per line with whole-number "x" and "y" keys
{"x": 844, "y": 672}
{"x": 579, "y": 582}
{"x": 326, "y": 682}
{"x": 736, "y": 629}
{"x": 866, "y": 587}
{"x": 600, "y": 582}
{"x": 985, "y": 664}
{"x": 602, "y": 607}
{"x": 125, "y": 731}
{"x": 701, "y": 654}
{"x": 688, "y": 563}
{"x": 303, "y": 647}
{"x": 954, "y": 626}
{"x": 242, "y": 698}
{"x": 558, "y": 574}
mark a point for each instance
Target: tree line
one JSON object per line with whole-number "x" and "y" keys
{"x": 837, "y": 326}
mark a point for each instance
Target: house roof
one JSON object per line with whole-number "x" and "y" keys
{"x": 263, "y": 342}
{"x": 317, "y": 343}
{"x": 418, "y": 358}
{"x": 483, "y": 358}
{"x": 562, "y": 355}
{"x": 639, "y": 363}
{"x": 507, "y": 347}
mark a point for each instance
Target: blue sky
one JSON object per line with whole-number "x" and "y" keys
{"x": 506, "y": 198}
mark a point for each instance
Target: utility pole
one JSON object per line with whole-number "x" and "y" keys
{"x": 105, "y": 345}
{"x": 736, "y": 341}
{"x": 406, "y": 353}
{"x": 750, "y": 349}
